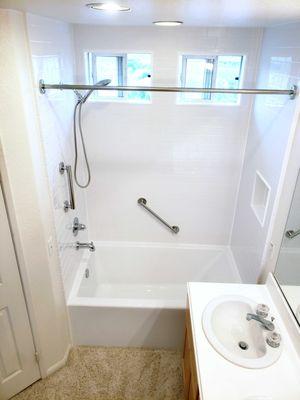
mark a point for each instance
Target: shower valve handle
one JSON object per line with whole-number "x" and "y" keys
{"x": 77, "y": 226}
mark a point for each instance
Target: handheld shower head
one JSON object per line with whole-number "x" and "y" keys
{"x": 77, "y": 120}
{"x": 104, "y": 82}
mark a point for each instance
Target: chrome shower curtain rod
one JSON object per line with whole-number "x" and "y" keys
{"x": 292, "y": 92}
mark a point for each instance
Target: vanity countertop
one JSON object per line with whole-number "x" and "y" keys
{"x": 221, "y": 379}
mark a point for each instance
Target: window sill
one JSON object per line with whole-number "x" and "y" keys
{"x": 120, "y": 101}
{"x": 207, "y": 103}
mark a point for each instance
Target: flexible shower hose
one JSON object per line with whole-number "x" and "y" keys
{"x": 78, "y": 107}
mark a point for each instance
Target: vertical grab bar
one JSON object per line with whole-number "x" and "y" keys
{"x": 68, "y": 204}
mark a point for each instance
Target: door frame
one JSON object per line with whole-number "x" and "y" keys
{"x": 26, "y": 189}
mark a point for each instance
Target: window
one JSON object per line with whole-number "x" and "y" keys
{"x": 122, "y": 70}
{"x": 216, "y": 71}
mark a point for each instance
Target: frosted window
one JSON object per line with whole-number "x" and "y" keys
{"x": 109, "y": 67}
{"x": 197, "y": 72}
{"x": 122, "y": 70}
{"x": 207, "y": 72}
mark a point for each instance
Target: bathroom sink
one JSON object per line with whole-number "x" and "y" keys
{"x": 238, "y": 340}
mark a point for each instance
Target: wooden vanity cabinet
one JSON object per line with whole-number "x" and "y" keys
{"x": 191, "y": 387}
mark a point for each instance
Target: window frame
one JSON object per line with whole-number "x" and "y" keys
{"x": 90, "y": 68}
{"x": 122, "y": 70}
{"x": 210, "y": 101}
{"x": 184, "y": 60}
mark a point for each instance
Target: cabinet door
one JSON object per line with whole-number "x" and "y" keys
{"x": 18, "y": 366}
{"x": 186, "y": 367}
{"x": 194, "y": 391}
{"x": 191, "y": 388}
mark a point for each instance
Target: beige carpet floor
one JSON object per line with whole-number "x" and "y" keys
{"x": 103, "y": 373}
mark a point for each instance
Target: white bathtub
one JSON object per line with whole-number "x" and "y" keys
{"x": 135, "y": 294}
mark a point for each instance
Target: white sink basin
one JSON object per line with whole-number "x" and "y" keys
{"x": 228, "y": 331}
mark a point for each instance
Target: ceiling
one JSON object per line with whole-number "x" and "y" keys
{"x": 191, "y": 12}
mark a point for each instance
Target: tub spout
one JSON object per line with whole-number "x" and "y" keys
{"x": 88, "y": 245}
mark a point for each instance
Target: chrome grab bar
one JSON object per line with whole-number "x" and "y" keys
{"x": 68, "y": 204}
{"x": 143, "y": 202}
{"x": 291, "y": 234}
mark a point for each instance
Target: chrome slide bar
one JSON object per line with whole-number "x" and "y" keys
{"x": 68, "y": 204}
{"x": 292, "y": 92}
{"x": 143, "y": 202}
{"x": 291, "y": 234}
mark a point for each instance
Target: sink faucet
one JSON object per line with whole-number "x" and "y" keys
{"x": 89, "y": 245}
{"x": 264, "y": 322}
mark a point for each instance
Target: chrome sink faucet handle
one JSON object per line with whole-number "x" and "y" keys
{"x": 264, "y": 322}
{"x": 262, "y": 310}
{"x": 273, "y": 339}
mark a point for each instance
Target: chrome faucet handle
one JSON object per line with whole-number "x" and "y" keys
{"x": 77, "y": 226}
{"x": 92, "y": 247}
{"x": 262, "y": 310}
{"x": 273, "y": 339}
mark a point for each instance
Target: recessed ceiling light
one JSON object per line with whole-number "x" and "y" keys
{"x": 107, "y": 7}
{"x": 167, "y": 23}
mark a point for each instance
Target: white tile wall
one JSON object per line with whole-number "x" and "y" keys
{"x": 185, "y": 159}
{"x": 267, "y": 142}
{"x": 51, "y": 45}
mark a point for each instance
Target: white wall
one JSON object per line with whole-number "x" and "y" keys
{"x": 51, "y": 46}
{"x": 24, "y": 177}
{"x": 271, "y": 128}
{"x": 185, "y": 159}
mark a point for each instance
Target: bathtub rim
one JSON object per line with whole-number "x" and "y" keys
{"x": 88, "y": 301}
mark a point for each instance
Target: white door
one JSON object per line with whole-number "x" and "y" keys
{"x": 18, "y": 366}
